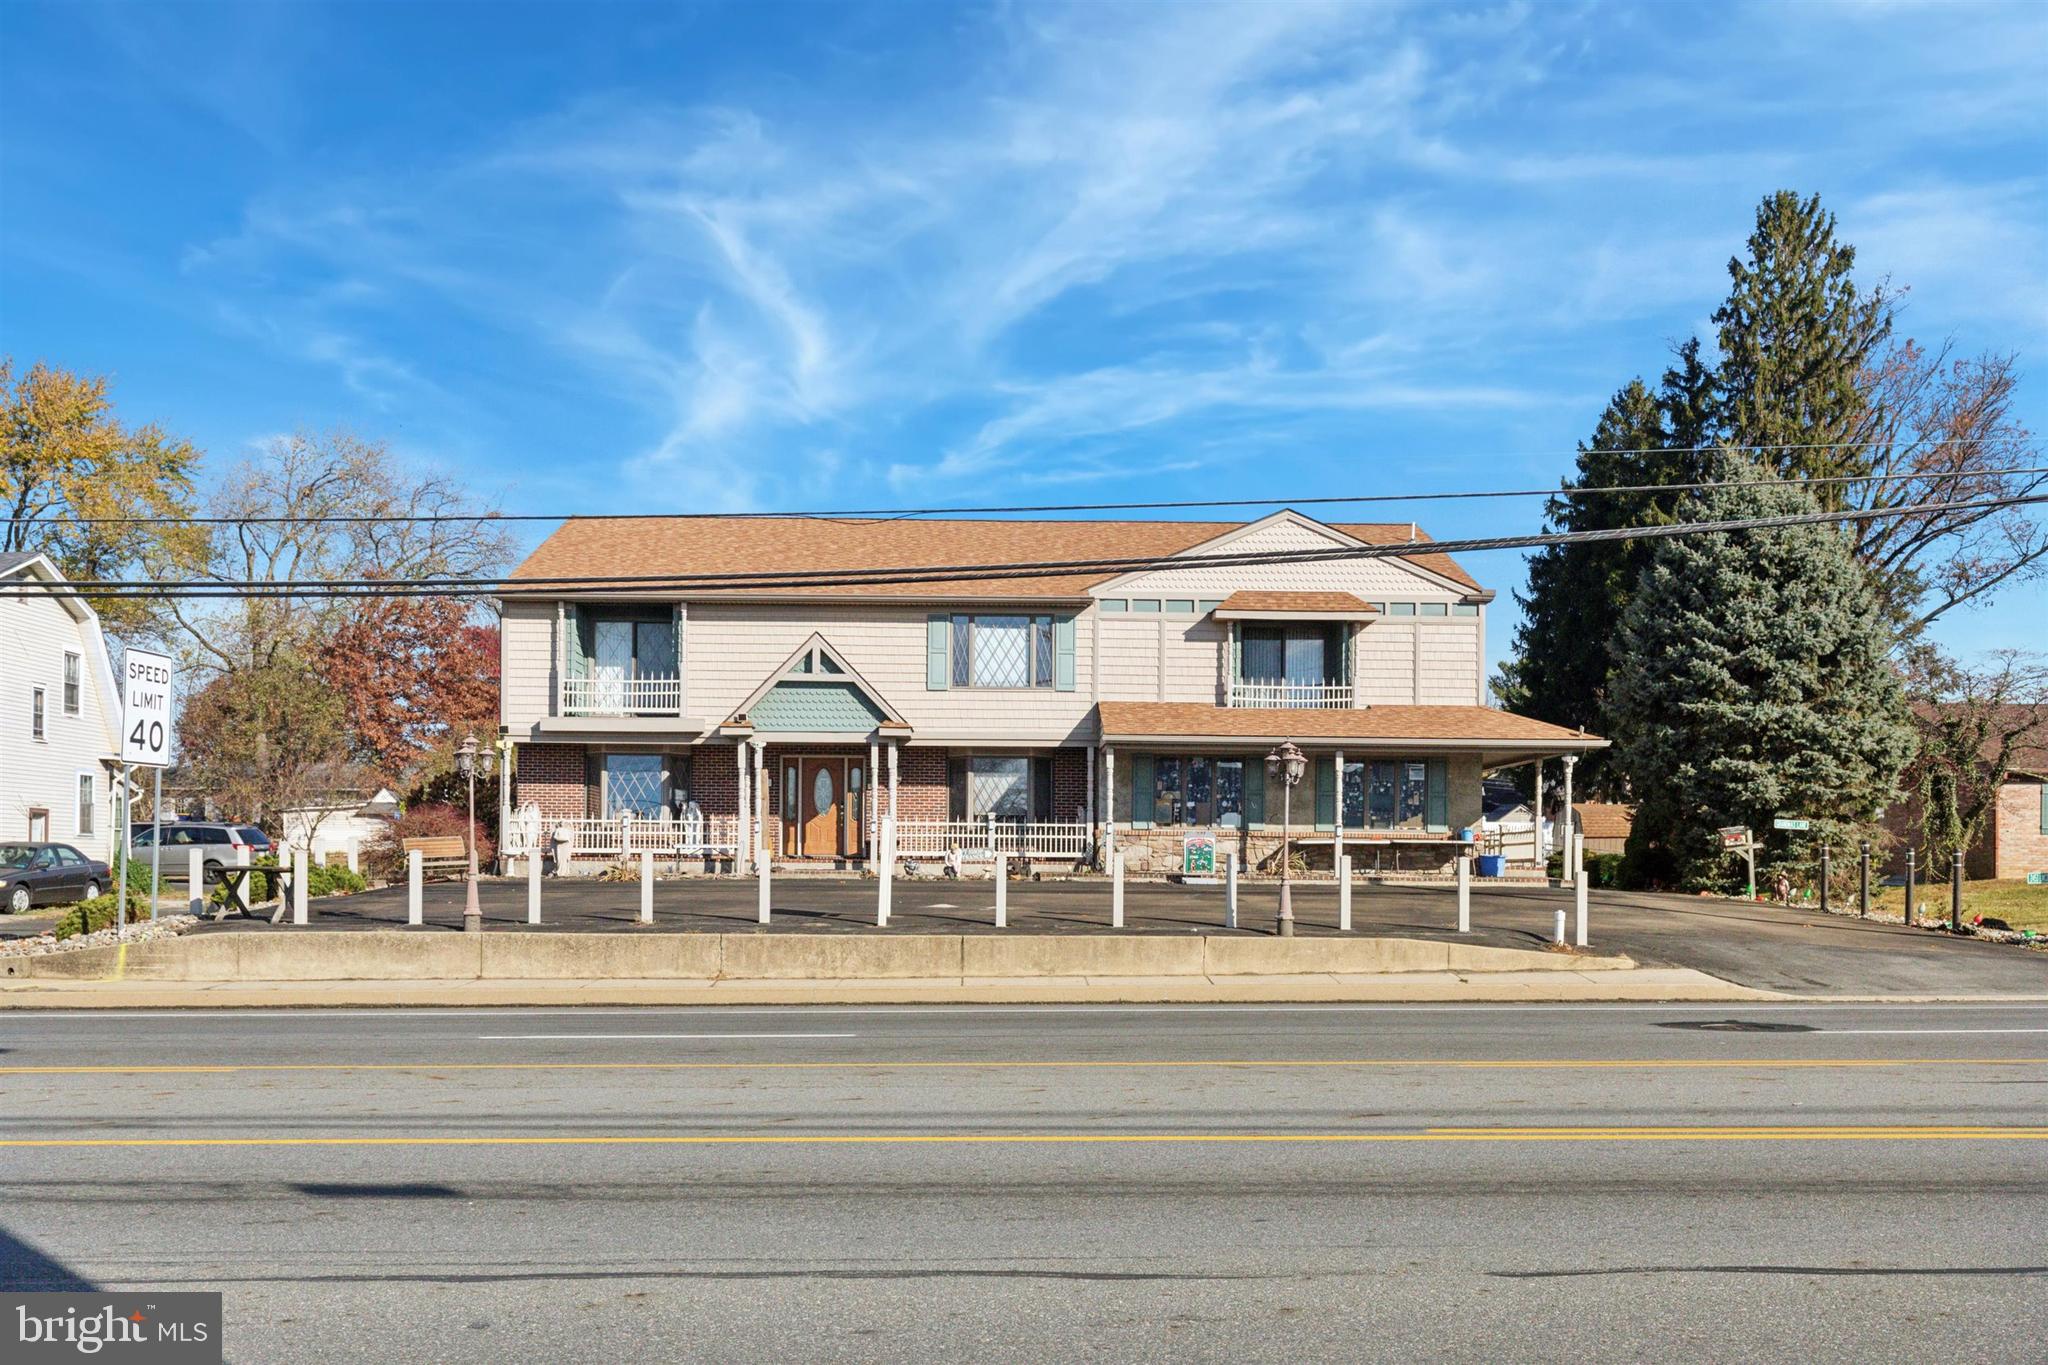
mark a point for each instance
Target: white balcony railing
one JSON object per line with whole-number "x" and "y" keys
{"x": 977, "y": 839}
{"x": 620, "y": 837}
{"x": 655, "y": 696}
{"x": 1280, "y": 694}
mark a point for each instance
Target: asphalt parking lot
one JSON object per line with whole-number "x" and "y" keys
{"x": 1754, "y": 945}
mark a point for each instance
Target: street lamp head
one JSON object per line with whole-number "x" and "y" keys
{"x": 465, "y": 757}
{"x": 1288, "y": 762}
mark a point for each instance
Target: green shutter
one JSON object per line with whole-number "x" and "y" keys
{"x": 1141, "y": 791}
{"x": 1063, "y": 653}
{"x": 938, "y": 640}
{"x": 1326, "y": 792}
{"x": 1254, "y": 792}
{"x": 582, "y": 642}
{"x": 1439, "y": 796}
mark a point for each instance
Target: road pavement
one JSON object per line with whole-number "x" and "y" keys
{"x": 1242, "y": 1183}
{"x": 1769, "y": 947}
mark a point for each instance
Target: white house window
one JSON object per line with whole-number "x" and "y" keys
{"x": 1000, "y": 787}
{"x": 1002, "y": 651}
{"x": 35, "y": 713}
{"x": 85, "y": 803}
{"x": 71, "y": 677}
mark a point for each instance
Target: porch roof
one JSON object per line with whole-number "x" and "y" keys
{"x": 1294, "y": 606}
{"x": 1500, "y": 737}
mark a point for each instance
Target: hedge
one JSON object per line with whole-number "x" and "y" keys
{"x": 89, "y": 917}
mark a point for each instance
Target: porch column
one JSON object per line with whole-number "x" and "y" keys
{"x": 1337, "y": 815}
{"x": 1536, "y": 839}
{"x": 894, "y": 745}
{"x": 741, "y": 857}
{"x": 1108, "y": 806}
{"x": 761, "y": 790}
{"x": 873, "y": 808}
{"x": 1570, "y": 761}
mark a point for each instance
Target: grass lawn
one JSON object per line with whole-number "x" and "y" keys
{"x": 2019, "y": 905}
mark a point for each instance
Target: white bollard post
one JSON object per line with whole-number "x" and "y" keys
{"x": 195, "y": 880}
{"x": 414, "y": 876}
{"x": 355, "y": 855}
{"x": 1557, "y": 931}
{"x": 1344, "y": 894}
{"x": 301, "y": 871}
{"x": 1116, "y": 890}
{"x": 764, "y": 881}
{"x": 1230, "y": 888}
{"x": 1579, "y": 886}
{"x": 1464, "y": 894}
{"x": 885, "y": 889}
{"x": 533, "y": 886}
{"x": 242, "y": 890}
{"x": 646, "y": 886}
{"x": 1002, "y": 891}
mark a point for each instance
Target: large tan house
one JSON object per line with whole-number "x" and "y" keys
{"x": 691, "y": 686}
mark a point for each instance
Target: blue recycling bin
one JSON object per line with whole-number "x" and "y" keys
{"x": 1493, "y": 865}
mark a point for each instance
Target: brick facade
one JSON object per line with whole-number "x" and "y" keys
{"x": 2018, "y": 845}
{"x": 552, "y": 777}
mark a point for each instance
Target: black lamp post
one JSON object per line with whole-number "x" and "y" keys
{"x": 1286, "y": 761}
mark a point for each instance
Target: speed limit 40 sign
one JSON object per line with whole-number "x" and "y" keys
{"x": 146, "y": 709}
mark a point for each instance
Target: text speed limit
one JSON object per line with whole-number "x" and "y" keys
{"x": 146, "y": 681}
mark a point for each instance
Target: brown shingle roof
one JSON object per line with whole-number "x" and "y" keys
{"x": 691, "y": 547}
{"x": 1293, "y": 601}
{"x": 1604, "y": 820}
{"x": 1196, "y": 720}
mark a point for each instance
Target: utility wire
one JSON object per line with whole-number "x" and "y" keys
{"x": 1185, "y": 504}
{"x": 939, "y": 575}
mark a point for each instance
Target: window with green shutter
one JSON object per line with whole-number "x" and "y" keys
{"x": 938, "y": 640}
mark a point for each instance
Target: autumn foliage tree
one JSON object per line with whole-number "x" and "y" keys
{"x": 414, "y": 676}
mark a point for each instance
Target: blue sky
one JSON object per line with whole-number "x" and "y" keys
{"x": 609, "y": 257}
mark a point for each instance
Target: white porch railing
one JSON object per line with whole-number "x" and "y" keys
{"x": 617, "y": 838}
{"x": 1279, "y": 694}
{"x": 622, "y": 696}
{"x": 985, "y": 838}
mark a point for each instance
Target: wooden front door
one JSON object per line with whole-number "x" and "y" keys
{"x": 822, "y": 807}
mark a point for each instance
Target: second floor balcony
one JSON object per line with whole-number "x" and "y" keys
{"x": 1284, "y": 694}
{"x": 602, "y": 695}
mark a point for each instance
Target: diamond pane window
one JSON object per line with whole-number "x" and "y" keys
{"x": 1000, "y": 787}
{"x": 635, "y": 784}
{"x": 1041, "y": 651}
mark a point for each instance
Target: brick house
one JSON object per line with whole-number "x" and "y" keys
{"x": 1121, "y": 690}
{"x": 2014, "y": 840}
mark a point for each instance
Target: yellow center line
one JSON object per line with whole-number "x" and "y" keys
{"x": 1454, "y": 1063}
{"x": 1838, "y": 1133}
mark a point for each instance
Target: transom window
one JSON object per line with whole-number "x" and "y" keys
{"x": 1002, "y": 651}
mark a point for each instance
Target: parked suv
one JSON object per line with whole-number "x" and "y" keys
{"x": 220, "y": 846}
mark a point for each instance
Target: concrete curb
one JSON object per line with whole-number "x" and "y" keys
{"x": 400, "y": 955}
{"x": 1642, "y": 984}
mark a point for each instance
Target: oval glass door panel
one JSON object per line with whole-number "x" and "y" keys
{"x": 821, "y": 790}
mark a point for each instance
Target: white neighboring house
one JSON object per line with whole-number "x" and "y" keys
{"x": 60, "y": 715}
{"x": 343, "y": 823}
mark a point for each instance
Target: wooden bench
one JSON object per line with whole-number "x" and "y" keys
{"x": 443, "y": 852}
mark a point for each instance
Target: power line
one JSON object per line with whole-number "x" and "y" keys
{"x": 1184, "y": 504}
{"x": 939, "y": 575}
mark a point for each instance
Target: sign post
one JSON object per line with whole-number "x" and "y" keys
{"x": 1737, "y": 839}
{"x": 146, "y": 682}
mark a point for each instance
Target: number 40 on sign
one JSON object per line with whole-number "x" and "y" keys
{"x": 146, "y": 681}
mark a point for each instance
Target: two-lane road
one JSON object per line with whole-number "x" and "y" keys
{"x": 1245, "y": 1183}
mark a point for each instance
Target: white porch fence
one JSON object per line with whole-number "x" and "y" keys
{"x": 977, "y": 839}
{"x": 1279, "y": 694}
{"x": 621, "y": 837}
{"x": 622, "y": 696}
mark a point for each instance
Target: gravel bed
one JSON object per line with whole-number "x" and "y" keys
{"x": 163, "y": 927}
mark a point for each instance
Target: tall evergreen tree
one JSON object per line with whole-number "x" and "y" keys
{"x": 1795, "y": 337}
{"x": 1577, "y": 591}
{"x": 1758, "y": 684}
